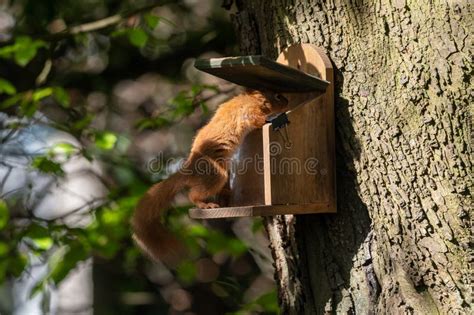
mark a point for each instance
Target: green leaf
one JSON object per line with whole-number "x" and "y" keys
{"x": 236, "y": 247}
{"x": 196, "y": 89}
{"x": 105, "y": 140}
{"x": 64, "y": 148}
{"x": 152, "y": 20}
{"x": 62, "y": 96}
{"x": 26, "y": 50}
{"x": 36, "y": 230}
{"x": 269, "y": 302}
{"x": 183, "y": 104}
{"x": 132, "y": 256}
{"x": 198, "y": 231}
{"x": 83, "y": 122}
{"x": 152, "y": 123}
{"x": 11, "y": 101}
{"x": 119, "y": 32}
{"x": 187, "y": 272}
{"x": 24, "y": 56}
{"x": 4, "y": 249}
{"x": 137, "y": 37}
{"x": 204, "y": 108}
{"x": 39, "y": 287}
{"x": 43, "y": 243}
{"x": 23, "y": 50}
{"x": 42, "y": 93}
{"x": 73, "y": 255}
{"x": 6, "y": 87}
{"x": 257, "y": 225}
{"x": 17, "y": 264}
{"x": 39, "y": 236}
{"x": 111, "y": 217}
{"x": 217, "y": 242}
{"x": 3, "y": 269}
{"x": 28, "y": 108}
{"x": 7, "y": 51}
{"x": 4, "y": 214}
{"x": 266, "y": 304}
{"x": 45, "y": 165}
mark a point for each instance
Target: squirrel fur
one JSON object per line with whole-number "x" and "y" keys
{"x": 205, "y": 171}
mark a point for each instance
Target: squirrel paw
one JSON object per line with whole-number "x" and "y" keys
{"x": 207, "y": 205}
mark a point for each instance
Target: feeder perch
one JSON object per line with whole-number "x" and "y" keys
{"x": 287, "y": 168}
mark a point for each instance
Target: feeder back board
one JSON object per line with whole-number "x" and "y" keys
{"x": 269, "y": 176}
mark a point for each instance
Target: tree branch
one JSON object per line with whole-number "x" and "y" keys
{"x": 103, "y": 23}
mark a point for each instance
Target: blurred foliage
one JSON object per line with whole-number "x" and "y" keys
{"x": 58, "y": 52}
{"x": 179, "y": 107}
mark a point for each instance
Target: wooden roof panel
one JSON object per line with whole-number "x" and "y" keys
{"x": 259, "y": 72}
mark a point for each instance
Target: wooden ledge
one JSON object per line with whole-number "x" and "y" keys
{"x": 260, "y": 72}
{"x": 262, "y": 210}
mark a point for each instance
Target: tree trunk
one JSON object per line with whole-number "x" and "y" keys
{"x": 400, "y": 241}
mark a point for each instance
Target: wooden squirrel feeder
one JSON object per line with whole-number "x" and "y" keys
{"x": 288, "y": 166}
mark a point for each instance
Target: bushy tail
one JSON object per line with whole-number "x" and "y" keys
{"x": 148, "y": 231}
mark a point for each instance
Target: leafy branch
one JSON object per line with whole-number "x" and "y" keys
{"x": 103, "y": 23}
{"x": 181, "y": 106}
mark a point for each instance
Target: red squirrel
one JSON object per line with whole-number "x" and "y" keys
{"x": 204, "y": 172}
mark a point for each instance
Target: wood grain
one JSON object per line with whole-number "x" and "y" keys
{"x": 263, "y": 210}
{"x": 304, "y": 174}
{"x": 246, "y": 174}
{"x": 260, "y": 72}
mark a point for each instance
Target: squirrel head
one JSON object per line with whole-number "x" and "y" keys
{"x": 273, "y": 102}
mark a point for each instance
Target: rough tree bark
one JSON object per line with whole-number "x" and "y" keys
{"x": 400, "y": 241}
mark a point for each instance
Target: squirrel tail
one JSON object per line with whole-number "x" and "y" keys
{"x": 148, "y": 231}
